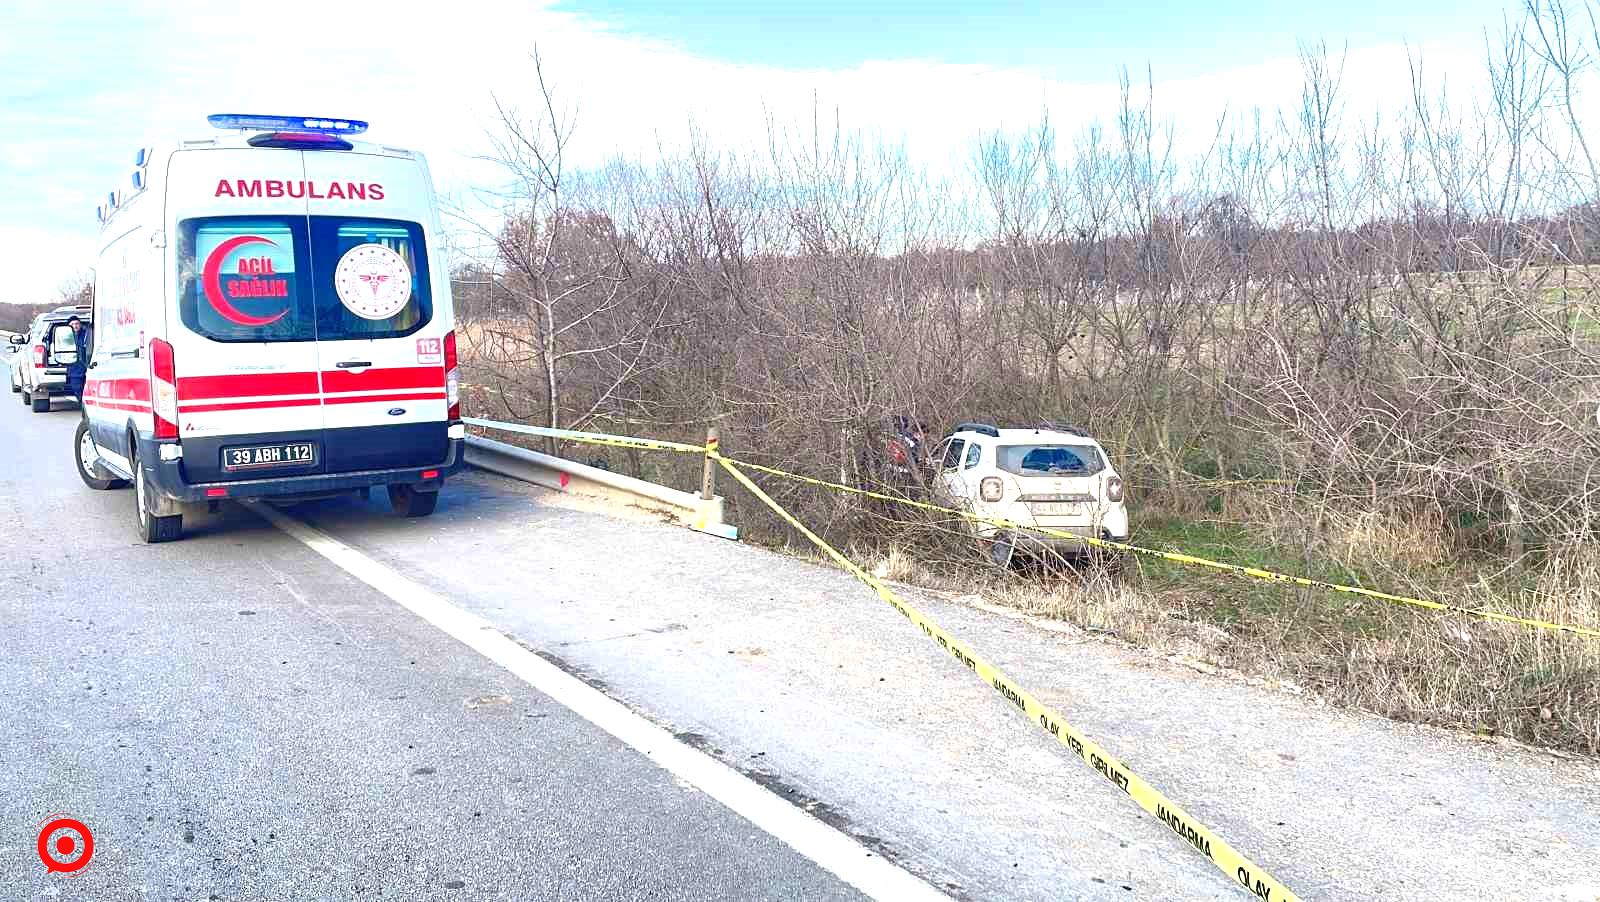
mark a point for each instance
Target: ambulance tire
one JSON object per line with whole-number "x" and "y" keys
{"x": 152, "y": 529}
{"x": 408, "y": 502}
{"x": 84, "y": 445}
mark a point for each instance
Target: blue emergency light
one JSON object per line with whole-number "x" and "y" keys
{"x": 247, "y": 122}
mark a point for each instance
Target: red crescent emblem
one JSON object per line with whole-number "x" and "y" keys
{"x": 212, "y": 281}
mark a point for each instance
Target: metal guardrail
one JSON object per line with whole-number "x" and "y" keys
{"x": 702, "y": 511}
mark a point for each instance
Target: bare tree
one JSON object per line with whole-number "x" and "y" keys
{"x": 1373, "y": 341}
{"x": 579, "y": 308}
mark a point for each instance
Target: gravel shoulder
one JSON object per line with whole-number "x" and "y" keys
{"x": 798, "y": 674}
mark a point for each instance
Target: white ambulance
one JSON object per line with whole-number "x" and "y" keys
{"x": 272, "y": 320}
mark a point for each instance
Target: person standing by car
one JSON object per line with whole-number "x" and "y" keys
{"x": 77, "y": 371}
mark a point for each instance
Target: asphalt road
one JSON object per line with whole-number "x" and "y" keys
{"x": 331, "y": 744}
{"x": 233, "y": 717}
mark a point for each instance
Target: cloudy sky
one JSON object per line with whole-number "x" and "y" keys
{"x": 80, "y": 90}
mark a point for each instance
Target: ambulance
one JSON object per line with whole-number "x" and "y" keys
{"x": 272, "y": 320}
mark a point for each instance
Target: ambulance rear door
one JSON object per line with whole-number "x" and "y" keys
{"x": 383, "y": 310}
{"x": 242, "y": 325}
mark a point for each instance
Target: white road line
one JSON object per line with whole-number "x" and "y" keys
{"x": 831, "y": 849}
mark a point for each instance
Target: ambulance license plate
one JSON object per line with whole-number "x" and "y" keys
{"x": 261, "y": 457}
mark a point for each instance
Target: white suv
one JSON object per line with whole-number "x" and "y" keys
{"x": 16, "y": 347}
{"x": 50, "y": 349}
{"x": 1052, "y": 476}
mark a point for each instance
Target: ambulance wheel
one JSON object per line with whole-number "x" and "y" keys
{"x": 41, "y": 405}
{"x": 87, "y": 456}
{"x": 408, "y": 502}
{"x": 152, "y": 528}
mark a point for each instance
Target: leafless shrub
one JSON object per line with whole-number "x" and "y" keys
{"x": 1359, "y": 343}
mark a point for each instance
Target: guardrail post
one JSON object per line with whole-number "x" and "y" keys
{"x": 708, "y": 479}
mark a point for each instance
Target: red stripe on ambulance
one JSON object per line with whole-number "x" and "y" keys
{"x": 249, "y": 405}
{"x": 340, "y": 381}
{"x": 250, "y": 385}
{"x": 406, "y": 396}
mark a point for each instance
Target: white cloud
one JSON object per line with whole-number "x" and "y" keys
{"x": 44, "y": 262}
{"x": 425, "y": 82}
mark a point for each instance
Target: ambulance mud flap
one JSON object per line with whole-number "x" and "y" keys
{"x": 160, "y": 476}
{"x": 159, "y": 503}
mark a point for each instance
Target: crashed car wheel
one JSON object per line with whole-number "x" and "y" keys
{"x": 1000, "y": 549}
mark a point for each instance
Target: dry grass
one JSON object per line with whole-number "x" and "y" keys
{"x": 1490, "y": 678}
{"x": 1401, "y": 662}
{"x": 1448, "y": 670}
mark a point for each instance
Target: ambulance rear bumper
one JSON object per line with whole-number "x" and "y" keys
{"x": 166, "y": 477}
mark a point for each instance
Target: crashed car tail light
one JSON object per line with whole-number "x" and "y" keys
{"x": 38, "y": 355}
{"x": 164, "y": 389}
{"x": 1114, "y": 488}
{"x": 991, "y": 488}
{"x": 452, "y": 379}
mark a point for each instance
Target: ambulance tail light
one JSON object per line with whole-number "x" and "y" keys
{"x": 164, "y": 389}
{"x": 452, "y": 378}
{"x": 38, "y": 355}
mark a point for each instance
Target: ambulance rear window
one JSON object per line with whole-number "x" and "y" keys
{"x": 296, "y": 278}
{"x": 372, "y": 278}
{"x": 241, "y": 279}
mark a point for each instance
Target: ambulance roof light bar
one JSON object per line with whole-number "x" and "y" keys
{"x": 248, "y": 122}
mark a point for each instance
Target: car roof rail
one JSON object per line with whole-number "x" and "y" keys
{"x": 1062, "y": 427}
{"x": 980, "y": 428}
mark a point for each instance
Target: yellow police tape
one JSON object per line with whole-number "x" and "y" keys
{"x": 1179, "y": 557}
{"x": 1224, "y": 857}
{"x": 1176, "y": 557}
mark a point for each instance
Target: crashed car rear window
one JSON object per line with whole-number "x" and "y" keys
{"x": 1050, "y": 460}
